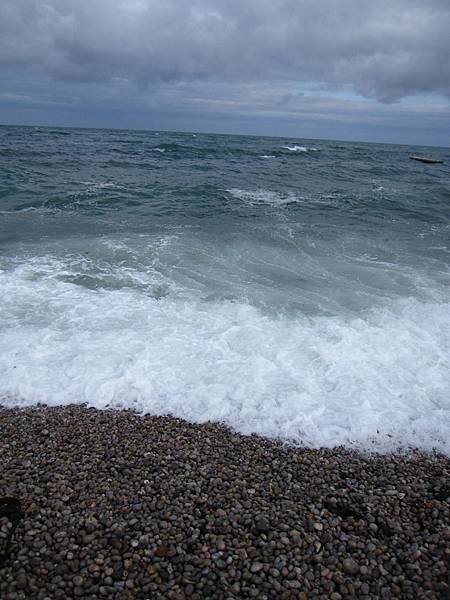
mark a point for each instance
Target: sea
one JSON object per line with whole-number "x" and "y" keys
{"x": 297, "y": 289}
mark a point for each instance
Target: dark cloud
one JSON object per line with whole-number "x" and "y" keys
{"x": 353, "y": 69}
{"x": 386, "y": 49}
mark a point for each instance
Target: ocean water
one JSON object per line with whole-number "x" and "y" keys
{"x": 294, "y": 288}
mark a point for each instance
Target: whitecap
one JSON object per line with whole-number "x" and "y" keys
{"x": 320, "y": 381}
{"x": 255, "y": 197}
{"x": 100, "y": 184}
{"x": 295, "y": 148}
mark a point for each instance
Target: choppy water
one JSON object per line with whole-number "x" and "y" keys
{"x": 293, "y": 288}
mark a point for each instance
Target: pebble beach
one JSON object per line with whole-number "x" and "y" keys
{"x": 122, "y": 506}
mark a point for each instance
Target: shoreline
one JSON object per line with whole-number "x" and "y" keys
{"x": 119, "y": 505}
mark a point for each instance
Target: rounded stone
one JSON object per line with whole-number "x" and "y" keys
{"x": 350, "y": 566}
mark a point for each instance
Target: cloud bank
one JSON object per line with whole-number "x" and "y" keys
{"x": 382, "y": 49}
{"x": 347, "y": 69}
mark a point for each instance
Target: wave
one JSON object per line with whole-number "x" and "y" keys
{"x": 378, "y": 381}
{"x": 280, "y": 199}
{"x": 255, "y": 197}
{"x": 301, "y": 296}
{"x": 101, "y": 185}
{"x": 296, "y": 148}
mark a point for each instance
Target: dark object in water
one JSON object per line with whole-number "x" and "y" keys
{"x": 10, "y": 509}
{"x": 424, "y": 159}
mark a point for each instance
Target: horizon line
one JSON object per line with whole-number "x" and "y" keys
{"x": 252, "y": 135}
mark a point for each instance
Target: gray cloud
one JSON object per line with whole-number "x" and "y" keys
{"x": 383, "y": 49}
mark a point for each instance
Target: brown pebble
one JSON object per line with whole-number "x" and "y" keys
{"x": 161, "y": 550}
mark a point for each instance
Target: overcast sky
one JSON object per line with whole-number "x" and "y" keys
{"x": 375, "y": 70}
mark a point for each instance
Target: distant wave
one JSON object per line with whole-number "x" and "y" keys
{"x": 296, "y": 148}
{"x": 264, "y": 197}
{"x": 100, "y": 185}
{"x": 30, "y": 209}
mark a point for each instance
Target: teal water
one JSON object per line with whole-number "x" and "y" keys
{"x": 293, "y": 288}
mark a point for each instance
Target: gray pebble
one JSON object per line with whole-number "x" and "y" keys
{"x": 118, "y": 505}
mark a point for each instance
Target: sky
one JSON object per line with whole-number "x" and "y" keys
{"x": 375, "y": 70}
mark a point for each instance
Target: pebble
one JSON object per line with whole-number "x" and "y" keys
{"x": 123, "y": 506}
{"x": 256, "y": 567}
{"x": 262, "y": 524}
{"x": 350, "y": 566}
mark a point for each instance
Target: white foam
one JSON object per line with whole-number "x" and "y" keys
{"x": 101, "y": 184}
{"x": 295, "y": 148}
{"x": 320, "y": 381}
{"x": 161, "y": 150}
{"x": 271, "y": 198}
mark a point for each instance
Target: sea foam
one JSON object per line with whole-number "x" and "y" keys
{"x": 309, "y": 302}
{"x": 296, "y": 148}
{"x": 377, "y": 381}
{"x": 255, "y": 197}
